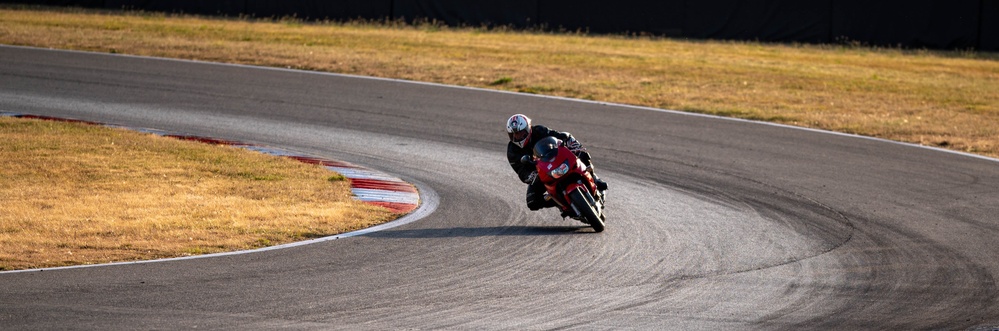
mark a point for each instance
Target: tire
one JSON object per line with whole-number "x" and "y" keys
{"x": 584, "y": 203}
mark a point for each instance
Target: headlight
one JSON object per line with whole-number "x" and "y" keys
{"x": 560, "y": 171}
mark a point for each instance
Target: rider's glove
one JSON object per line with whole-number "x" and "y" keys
{"x": 573, "y": 145}
{"x": 530, "y": 178}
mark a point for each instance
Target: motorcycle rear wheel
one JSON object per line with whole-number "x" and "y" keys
{"x": 586, "y": 206}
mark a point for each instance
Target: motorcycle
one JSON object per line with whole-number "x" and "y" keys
{"x": 568, "y": 181}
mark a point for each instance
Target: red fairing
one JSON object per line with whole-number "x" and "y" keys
{"x": 567, "y": 167}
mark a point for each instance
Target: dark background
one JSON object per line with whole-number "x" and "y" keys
{"x": 933, "y": 24}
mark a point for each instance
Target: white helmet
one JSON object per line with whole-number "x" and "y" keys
{"x": 518, "y": 127}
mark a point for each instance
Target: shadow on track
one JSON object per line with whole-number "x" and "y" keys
{"x": 517, "y": 230}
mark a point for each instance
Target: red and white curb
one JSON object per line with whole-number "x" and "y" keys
{"x": 371, "y": 186}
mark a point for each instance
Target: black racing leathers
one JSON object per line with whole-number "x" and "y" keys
{"x": 528, "y": 173}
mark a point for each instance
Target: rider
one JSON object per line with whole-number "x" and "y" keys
{"x": 522, "y": 139}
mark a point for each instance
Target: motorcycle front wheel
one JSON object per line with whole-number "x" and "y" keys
{"x": 585, "y": 206}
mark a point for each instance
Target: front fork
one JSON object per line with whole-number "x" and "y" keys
{"x": 599, "y": 199}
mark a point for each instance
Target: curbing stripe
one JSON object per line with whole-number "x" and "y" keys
{"x": 369, "y": 195}
{"x": 362, "y": 174}
{"x": 381, "y": 185}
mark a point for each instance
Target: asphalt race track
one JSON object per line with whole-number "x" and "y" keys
{"x": 712, "y": 223}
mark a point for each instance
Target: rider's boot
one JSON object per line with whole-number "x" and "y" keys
{"x": 601, "y": 185}
{"x": 550, "y": 202}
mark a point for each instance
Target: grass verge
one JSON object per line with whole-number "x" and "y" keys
{"x": 83, "y": 194}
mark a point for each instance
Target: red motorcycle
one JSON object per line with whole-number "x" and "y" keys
{"x": 568, "y": 181}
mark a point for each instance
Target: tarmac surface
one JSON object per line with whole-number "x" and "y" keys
{"x": 712, "y": 223}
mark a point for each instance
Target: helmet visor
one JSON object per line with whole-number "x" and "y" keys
{"x": 518, "y": 135}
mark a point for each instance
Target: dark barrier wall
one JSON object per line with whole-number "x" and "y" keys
{"x": 989, "y": 33}
{"x": 939, "y": 24}
{"x": 519, "y": 13}
{"x": 764, "y": 20}
{"x": 318, "y": 9}
{"x": 215, "y": 7}
{"x": 932, "y": 24}
{"x": 622, "y": 16}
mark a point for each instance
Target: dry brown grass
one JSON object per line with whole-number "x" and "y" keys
{"x": 81, "y": 194}
{"x": 944, "y": 99}
{"x": 947, "y": 99}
